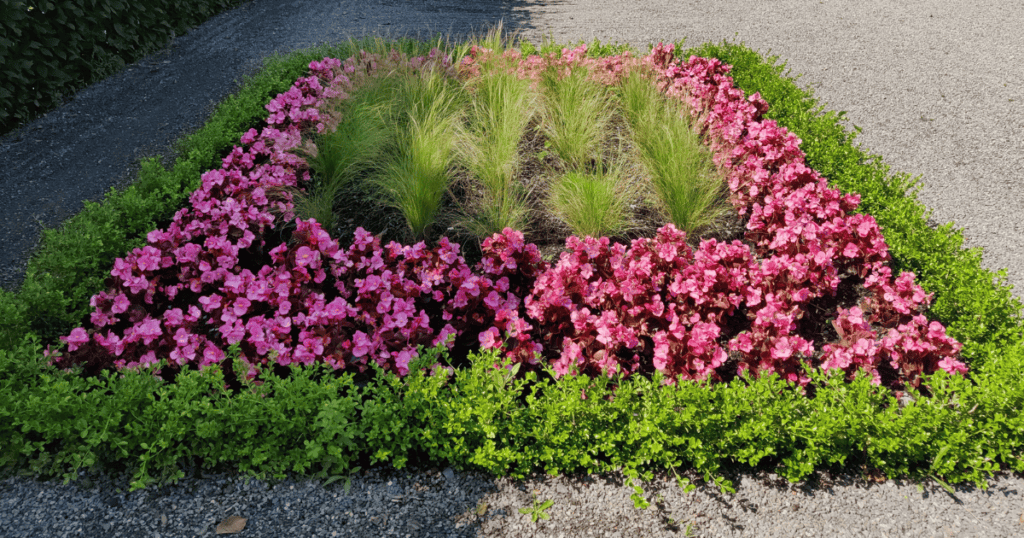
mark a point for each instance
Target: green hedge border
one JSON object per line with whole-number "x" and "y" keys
{"x": 56, "y": 423}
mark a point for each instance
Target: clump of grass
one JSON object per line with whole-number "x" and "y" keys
{"x": 688, "y": 188}
{"x": 577, "y": 110}
{"x": 341, "y": 156}
{"x": 495, "y": 39}
{"x": 492, "y": 215}
{"x": 502, "y": 107}
{"x": 592, "y": 204}
{"x": 424, "y": 110}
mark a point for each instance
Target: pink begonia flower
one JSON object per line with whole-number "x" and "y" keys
{"x": 400, "y": 319}
{"x": 863, "y": 347}
{"x": 122, "y": 269}
{"x": 572, "y": 355}
{"x": 301, "y": 355}
{"x": 210, "y": 302}
{"x": 841, "y": 358}
{"x": 233, "y": 332}
{"x": 100, "y": 320}
{"x": 182, "y": 337}
{"x": 490, "y": 339}
{"x": 936, "y": 331}
{"x": 173, "y": 317}
{"x": 183, "y": 354}
{"x": 148, "y": 359}
{"x": 442, "y": 337}
{"x": 336, "y": 309}
{"x": 112, "y": 342}
{"x": 519, "y": 328}
{"x": 193, "y": 313}
{"x": 742, "y": 343}
{"x": 211, "y": 355}
{"x": 952, "y": 366}
{"x": 403, "y": 359}
{"x": 121, "y": 304}
{"x": 150, "y": 330}
{"x": 77, "y": 337}
{"x": 241, "y": 306}
{"x": 234, "y": 283}
{"x": 361, "y": 344}
{"x": 661, "y": 351}
{"x": 148, "y": 259}
{"x": 304, "y": 256}
{"x": 137, "y": 284}
{"x": 384, "y": 302}
{"x": 284, "y": 307}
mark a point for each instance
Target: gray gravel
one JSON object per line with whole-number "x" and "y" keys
{"x": 936, "y": 86}
{"x": 436, "y": 503}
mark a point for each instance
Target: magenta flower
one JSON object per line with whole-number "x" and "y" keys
{"x": 77, "y": 338}
{"x": 490, "y": 339}
{"x": 361, "y": 344}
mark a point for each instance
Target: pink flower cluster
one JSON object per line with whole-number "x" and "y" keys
{"x": 905, "y": 339}
{"x": 384, "y": 302}
{"x": 608, "y": 70}
{"x": 611, "y": 309}
{"x": 207, "y": 282}
{"x": 807, "y": 237}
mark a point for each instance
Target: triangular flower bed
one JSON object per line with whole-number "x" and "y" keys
{"x": 212, "y": 281}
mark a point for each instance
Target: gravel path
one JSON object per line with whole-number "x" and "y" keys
{"x": 936, "y": 86}
{"x": 443, "y": 503}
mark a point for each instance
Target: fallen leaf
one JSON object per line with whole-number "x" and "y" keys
{"x": 874, "y": 475}
{"x": 231, "y": 525}
{"x": 481, "y": 509}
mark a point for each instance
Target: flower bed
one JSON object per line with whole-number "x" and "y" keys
{"x": 208, "y": 282}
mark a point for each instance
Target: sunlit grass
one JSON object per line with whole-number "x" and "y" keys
{"x": 577, "y": 110}
{"x": 340, "y": 157}
{"x": 688, "y": 188}
{"x": 592, "y": 204}
{"x": 501, "y": 108}
{"x": 495, "y": 39}
{"x": 425, "y": 111}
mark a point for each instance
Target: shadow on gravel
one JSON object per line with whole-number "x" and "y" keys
{"x": 414, "y": 502}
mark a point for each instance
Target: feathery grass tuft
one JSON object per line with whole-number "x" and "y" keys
{"x": 502, "y": 107}
{"x": 592, "y": 204}
{"x": 577, "y": 110}
{"x": 426, "y": 110}
{"x": 341, "y": 156}
{"x": 689, "y": 189}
